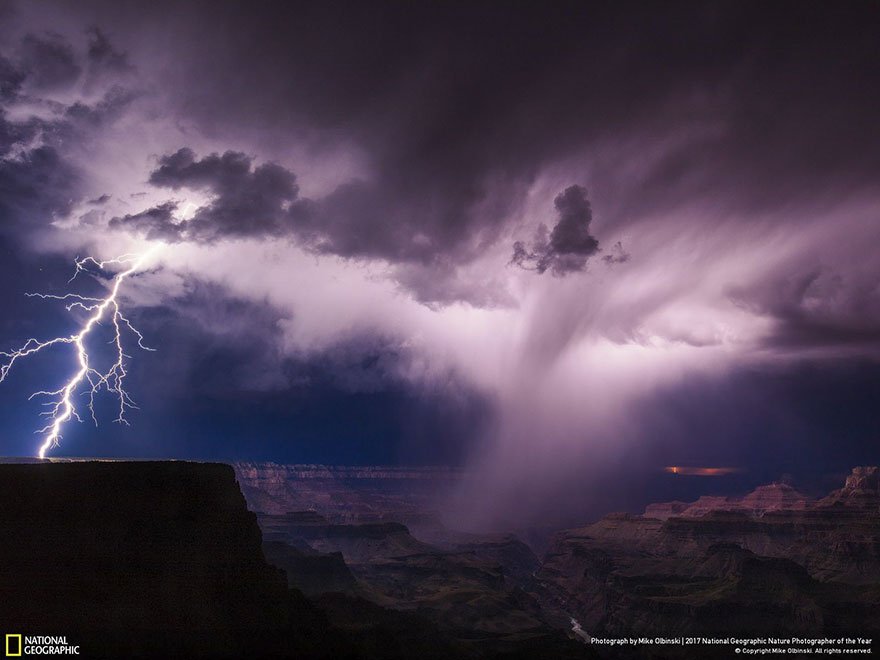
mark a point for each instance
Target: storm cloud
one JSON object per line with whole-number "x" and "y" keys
{"x": 45, "y": 120}
{"x": 568, "y": 246}
{"x": 48, "y": 62}
{"x": 246, "y": 201}
{"x": 382, "y": 184}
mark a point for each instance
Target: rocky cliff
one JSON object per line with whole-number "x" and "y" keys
{"x": 125, "y": 551}
{"x": 347, "y": 494}
{"x": 472, "y": 590}
{"x": 836, "y": 538}
{"x": 764, "y": 499}
{"x": 773, "y": 561}
{"x": 861, "y": 492}
{"x": 313, "y": 573}
{"x": 163, "y": 559}
{"x": 356, "y": 543}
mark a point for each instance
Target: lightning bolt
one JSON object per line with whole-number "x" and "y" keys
{"x": 61, "y": 407}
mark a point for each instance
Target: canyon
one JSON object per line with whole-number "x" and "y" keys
{"x": 772, "y": 561}
{"x": 170, "y": 558}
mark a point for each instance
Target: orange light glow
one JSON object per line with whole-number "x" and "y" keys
{"x": 701, "y": 471}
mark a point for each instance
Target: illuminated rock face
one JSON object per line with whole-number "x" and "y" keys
{"x": 664, "y": 510}
{"x": 769, "y": 562}
{"x": 861, "y": 492}
{"x": 864, "y": 478}
{"x": 346, "y": 495}
{"x": 764, "y": 499}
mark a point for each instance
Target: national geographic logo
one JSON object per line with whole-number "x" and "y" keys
{"x": 18, "y": 645}
{"x": 13, "y": 646}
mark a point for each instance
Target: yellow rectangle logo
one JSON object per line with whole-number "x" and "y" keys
{"x": 13, "y": 650}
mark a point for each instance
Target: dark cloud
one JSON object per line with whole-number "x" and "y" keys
{"x": 226, "y": 381}
{"x": 36, "y": 183}
{"x": 778, "y": 104}
{"x": 10, "y": 80}
{"x": 108, "y": 109}
{"x": 9, "y": 135}
{"x": 218, "y": 344}
{"x": 262, "y": 201}
{"x": 569, "y": 245}
{"x": 758, "y": 100}
{"x": 104, "y": 60}
{"x": 49, "y": 62}
{"x": 39, "y": 181}
{"x": 246, "y": 201}
{"x": 817, "y": 308}
{"x": 435, "y": 127}
{"x": 35, "y": 187}
{"x": 617, "y": 255}
{"x": 155, "y": 223}
{"x": 233, "y": 344}
{"x": 439, "y": 284}
{"x": 453, "y": 115}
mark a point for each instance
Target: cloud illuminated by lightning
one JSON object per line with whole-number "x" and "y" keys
{"x": 61, "y": 407}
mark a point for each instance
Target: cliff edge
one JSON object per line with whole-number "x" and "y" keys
{"x": 131, "y": 556}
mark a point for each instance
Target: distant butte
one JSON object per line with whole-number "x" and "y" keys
{"x": 771, "y": 497}
{"x": 772, "y": 561}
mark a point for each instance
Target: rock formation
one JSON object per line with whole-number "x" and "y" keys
{"x": 773, "y": 561}
{"x": 467, "y": 589}
{"x": 772, "y": 497}
{"x": 163, "y": 559}
{"x": 861, "y": 491}
{"x": 111, "y": 547}
{"x": 346, "y": 494}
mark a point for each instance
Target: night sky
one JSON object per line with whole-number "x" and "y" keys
{"x": 561, "y": 245}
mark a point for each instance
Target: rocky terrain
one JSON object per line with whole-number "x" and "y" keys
{"x": 163, "y": 559}
{"x": 347, "y": 494}
{"x": 772, "y": 497}
{"x": 473, "y": 590}
{"x": 362, "y": 529}
{"x": 774, "y": 561}
{"x": 127, "y": 549}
